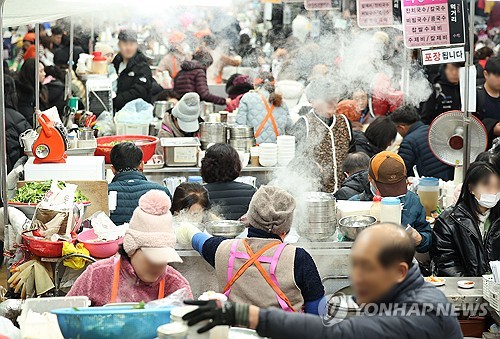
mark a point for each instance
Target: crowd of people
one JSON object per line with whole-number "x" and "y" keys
{"x": 356, "y": 142}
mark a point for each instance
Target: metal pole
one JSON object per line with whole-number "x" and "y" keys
{"x": 469, "y": 58}
{"x": 70, "y": 68}
{"x": 405, "y": 82}
{"x": 3, "y": 141}
{"x": 37, "y": 72}
{"x": 91, "y": 44}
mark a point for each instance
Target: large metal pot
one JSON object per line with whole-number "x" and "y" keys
{"x": 212, "y": 133}
{"x": 351, "y": 226}
{"x": 241, "y": 132}
{"x": 242, "y": 144}
{"x": 321, "y": 216}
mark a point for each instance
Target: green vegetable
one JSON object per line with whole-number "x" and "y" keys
{"x": 33, "y": 192}
{"x": 140, "y": 306}
{"x": 76, "y": 309}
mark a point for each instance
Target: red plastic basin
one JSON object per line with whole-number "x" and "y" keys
{"x": 101, "y": 249}
{"x": 145, "y": 142}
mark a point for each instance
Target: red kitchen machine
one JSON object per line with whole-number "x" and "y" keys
{"x": 52, "y": 142}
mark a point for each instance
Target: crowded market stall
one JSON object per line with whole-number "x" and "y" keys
{"x": 327, "y": 158}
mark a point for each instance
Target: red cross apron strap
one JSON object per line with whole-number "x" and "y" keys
{"x": 269, "y": 116}
{"x": 174, "y": 67}
{"x": 116, "y": 282}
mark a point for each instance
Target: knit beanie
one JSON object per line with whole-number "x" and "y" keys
{"x": 187, "y": 112}
{"x": 151, "y": 230}
{"x": 271, "y": 210}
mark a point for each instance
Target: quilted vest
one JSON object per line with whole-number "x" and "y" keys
{"x": 251, "y": 288}
{"x": 328, "y": 146}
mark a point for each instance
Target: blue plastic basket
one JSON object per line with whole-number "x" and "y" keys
{"x": 122, "y": 322}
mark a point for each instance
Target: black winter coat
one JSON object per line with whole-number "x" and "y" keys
{"x": 134, "y": 82}
{"x": 415, "y": 150}
{"x": 444, "y": 98}
{"x": 15, "y": 124}
{"x": 458, "y": 249}
{"x": 362, "y": 144}
{"x": 231, "y": 197}
{"x": 410, "y": 310}
{"x": 193, "y": 78}
{"x": 355, "y": 184}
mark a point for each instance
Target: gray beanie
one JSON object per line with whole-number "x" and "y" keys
{"x": 187, "y": 112}
{"x": 271, "y": 210}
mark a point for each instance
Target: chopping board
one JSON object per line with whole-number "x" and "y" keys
{"x": 96, "y": 191}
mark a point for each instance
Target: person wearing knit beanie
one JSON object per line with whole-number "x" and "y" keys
{"x": 269, "y": 218}
{"x": 141, "y": 271}
{"x": 187, "y": 112}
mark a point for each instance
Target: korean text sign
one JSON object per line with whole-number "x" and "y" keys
{"x": 432, "y": 23}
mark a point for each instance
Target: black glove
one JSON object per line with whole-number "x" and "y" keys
{"x": 228, "y": 313}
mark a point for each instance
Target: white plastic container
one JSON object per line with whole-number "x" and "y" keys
{"x": 132, "y": 129}
{"x": 390, "y": 210}
{"x": 176, "y": 317}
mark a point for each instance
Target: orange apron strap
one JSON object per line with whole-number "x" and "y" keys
{"x": 174, "y": 67}
{"x": 248, "y": 263}
{"x": 269, "y": 116}
{"x": 269, "y": 280}
{"x": 116, "y": 281}
{"x": 161, "y": 289}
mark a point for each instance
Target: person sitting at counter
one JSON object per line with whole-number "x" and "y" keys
{"x": 182, "y": 121}
{"x": 140, "y": 272}
{"x": 387, "y": 176}
{"x": 261, "y": 269}
{"x": 135, "y": 80}
{"x": 129, "y": 182}
{"x": 355, "y": 168}
{"x": 219, "y": 169}
{"x": 191, "y": 203}
{"x": 466, "y": 236}
{"x": 398, "y": 303}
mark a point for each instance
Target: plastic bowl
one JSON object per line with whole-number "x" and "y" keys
{"x": 145, "y": 142}
{"x": 121, "y": 322}
{"x": 101, "y": 249}
{"x": 44, "y": 248}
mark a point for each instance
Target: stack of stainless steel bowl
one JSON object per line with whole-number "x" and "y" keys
{"x": 212, "y": 133}
{"x": 321, "y": 217}
{"x": 241, "y": 137}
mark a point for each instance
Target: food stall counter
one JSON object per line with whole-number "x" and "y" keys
{"x": 457, "y": 295}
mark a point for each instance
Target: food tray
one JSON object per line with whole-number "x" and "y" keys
{"x": 122, "y": 322}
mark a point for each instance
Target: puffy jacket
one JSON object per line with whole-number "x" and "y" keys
{"x": 487, "y": 108}
{"x": 134, "y": 82}
{"x": 15, "y": 124}
{"x": 415, "y": 150}
{"x": 355, "y": 184}
{"x": 252, "y": 112}
{"x": 51, "y": 95}
{"x": 362, "y": 144}
{"x": 444, "y": 98}
{"x": 410, "y": 310}
{"x": 458, "y": 249}
{"x": 231, "y": 197}
{"x": 413, "y": 214}
{"x": 193, "y": 78}
{"x": 130, "y": 186}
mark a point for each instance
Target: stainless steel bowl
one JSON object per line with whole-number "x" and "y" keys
{"x": 240, "y": 132}
{"x": 213, "y": 132}
{"x": 351, "y": 226}
{"x": 225, "y": 228}
{"x": 242, "y": 144}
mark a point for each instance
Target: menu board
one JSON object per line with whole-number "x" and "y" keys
{"x": 432, "y": 23}
{"x": 317, "y": 5}
{"x": 375, "y": 13}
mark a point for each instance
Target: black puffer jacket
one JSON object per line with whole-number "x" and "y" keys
{"x": 362, "y": 144}
{"x": 355, "y": 184}
{"x": 15, "y": 124}
{"x": 415, "y": 150}
{"x": 444, "y": 98}
{"x": 457, "y": 247}
{"x": 410, "y": 310}
{"x": 231, "y": 197}
{"x": 134, "y": 82}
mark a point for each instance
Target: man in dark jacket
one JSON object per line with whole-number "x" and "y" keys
{"x": 488, "y": 98}
{"x": 193, "y": 78}
{"x": 15, "y": 123}
{"x": 355, "y": 168}
{"x": 135, "y": 80}
{"x": 446, "y": 94}
{"x": 398, "y": 303}
{"x": 129, "y": 182}
{"x": 414, "y": 148}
